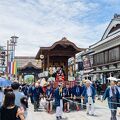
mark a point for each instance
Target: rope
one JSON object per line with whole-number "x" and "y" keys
{"x": 85, "y": 104}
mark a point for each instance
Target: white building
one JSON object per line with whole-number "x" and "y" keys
{"x": 106, "y": 56}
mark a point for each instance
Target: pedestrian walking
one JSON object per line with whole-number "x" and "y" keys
{"x": 9, "y": 111}
{"x": 112, "y": 94}
{"x": 89, "y": 97}
{"x": 58, "y": 101}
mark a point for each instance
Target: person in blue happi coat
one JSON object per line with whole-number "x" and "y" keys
{"x": 89, "y": 97}
{"x": 67, "y": 96}
{"x": 118, "y": 87}
{"x": 113, "y": 96}
{"x": 49, "y": 98}
{"x": 58, "y": 94}
{"x": 83, "y": 88}
{"x": 31, "y": 89}
{"x": 77, "y": 95}
{"x": 37, "y": 93}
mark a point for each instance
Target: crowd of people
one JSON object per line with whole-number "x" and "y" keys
{"x": 65, "y": 97}
{"x": 68, "y": 97}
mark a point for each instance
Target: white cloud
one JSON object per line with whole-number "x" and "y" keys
{"x": 42, "y": 22}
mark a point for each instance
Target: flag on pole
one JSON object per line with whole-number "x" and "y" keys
{"x": 12, "y": 68}
{"x": 15, "y": 68}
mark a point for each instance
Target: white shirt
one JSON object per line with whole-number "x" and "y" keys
{"x": 89, "y": 92}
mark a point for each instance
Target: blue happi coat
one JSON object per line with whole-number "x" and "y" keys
{"x": 58, "y": 97}
{"x": 84, "y": 94}
{"x": 49, "y": 92}
{"x": 67, "y": 92}
{"x": 109, "y": 98}
{"x": 77, "y": 91}
{"x": 37, "y": 92}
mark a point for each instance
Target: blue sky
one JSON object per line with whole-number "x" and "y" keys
{"x": 42, "y": 22}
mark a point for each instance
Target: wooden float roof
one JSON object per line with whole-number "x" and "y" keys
{"x": 64, "y": 43}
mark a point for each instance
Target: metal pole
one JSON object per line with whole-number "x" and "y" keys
{"x": 7, "y": 57}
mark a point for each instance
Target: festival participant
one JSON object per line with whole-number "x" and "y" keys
{"x": 89, "y": 97}
{"x": 31, "y": 88}
{"x": 49, "y": 98}
{"x": 58, "y": 101}
{"x": 77, "y": 95}
{"x": 112, "y": 94}
{"x": 71, "y": 89}
{"x": 60, "y": 75}
{"x": 72, "y": 96}
{"x": 25, "y": 90}
{"x": 118, "y": 87}
{"x": 37, "y": 92}
{"x": 83, "y": 88}
{"x": 67, "y": 96}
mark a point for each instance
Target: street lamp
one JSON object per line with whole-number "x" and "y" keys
{"x": 14, "y": 39}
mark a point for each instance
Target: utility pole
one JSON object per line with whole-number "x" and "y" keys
{"x": 7, "y": 57}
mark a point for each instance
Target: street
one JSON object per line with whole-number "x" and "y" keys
{"x": 101, "y": 113}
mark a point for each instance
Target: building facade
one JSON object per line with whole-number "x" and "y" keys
{"x": 27, "y": 65}
{"x": 106, "y": 56}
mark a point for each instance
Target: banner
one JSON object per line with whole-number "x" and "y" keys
{"x": 12, "y": 68}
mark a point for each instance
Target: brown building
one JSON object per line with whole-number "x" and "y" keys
{"x": 58, "y": 54}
